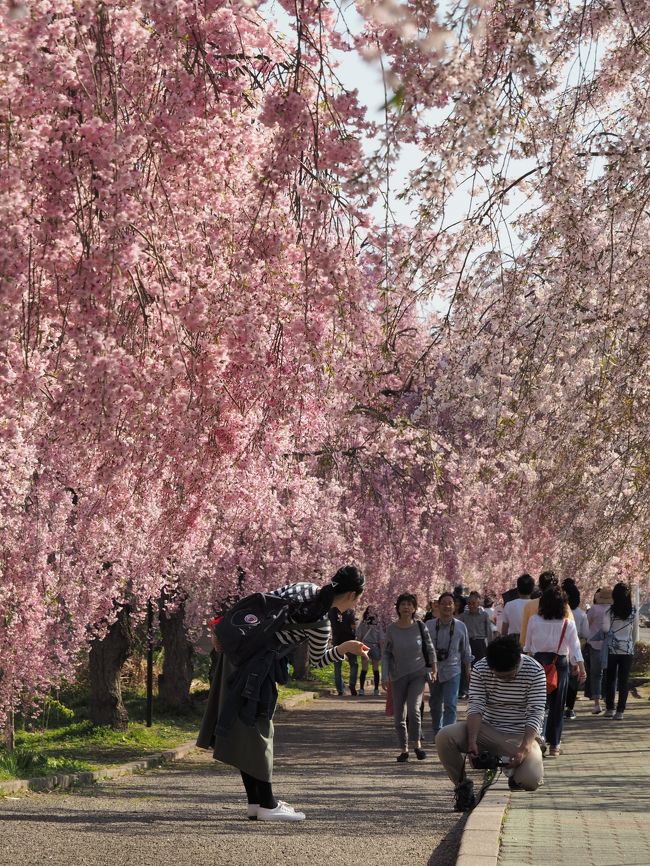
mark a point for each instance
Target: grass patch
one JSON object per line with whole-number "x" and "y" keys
{"x": 64, "y": 740}
{"x": 76, "y": 744}
{"x": 23, "y": 763}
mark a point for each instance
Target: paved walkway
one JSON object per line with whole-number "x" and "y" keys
{"x": 594, "y": 807}
{"x": 335, "y": 760}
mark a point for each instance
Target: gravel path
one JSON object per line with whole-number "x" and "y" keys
{"x": 335, "y": 760}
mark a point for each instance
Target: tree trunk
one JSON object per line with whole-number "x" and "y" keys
{"x": 9, "y": 732}
{"x": 301, "y": 661}
{"x": 176, "y": 678}
{"x": 106, "y": 659}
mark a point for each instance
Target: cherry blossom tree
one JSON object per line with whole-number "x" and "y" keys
{"x": 219, "y": 373}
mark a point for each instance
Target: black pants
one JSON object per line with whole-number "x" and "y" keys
{"x": 572, "y": 692}
{"x": 618, "y": 665}
{"x": 556, "y": 701}
{"x": 478, "y": 646}
{"x": 258, "y": 792}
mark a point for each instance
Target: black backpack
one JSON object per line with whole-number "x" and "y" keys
{"x": 251, "y": 625}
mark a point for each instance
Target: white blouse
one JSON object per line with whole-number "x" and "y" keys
{"x": 543, "y": 635}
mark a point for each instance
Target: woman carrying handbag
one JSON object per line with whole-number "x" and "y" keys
{"x": 552, "y": 639}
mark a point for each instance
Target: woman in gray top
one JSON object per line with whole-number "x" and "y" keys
{"x": 409, "y": 659}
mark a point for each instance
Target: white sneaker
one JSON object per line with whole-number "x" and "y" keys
{"x": 282, "y": 812}
{"x": 609, "y": 714}
{"x": 253, "y": 809}
{"x": 618, "y": 716}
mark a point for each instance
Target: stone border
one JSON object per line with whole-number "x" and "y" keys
{"x": 63, "y": 781}
{"x": 481, "y": 839}
{"x": 294, "y": 701}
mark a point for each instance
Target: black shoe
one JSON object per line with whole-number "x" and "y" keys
{"x": 403, "y": 758}
{"x": 353, "y": 691}
{"x": 464, "y": 794}
{"x": 420, "y": 754}
{"x": 514, "y": 786}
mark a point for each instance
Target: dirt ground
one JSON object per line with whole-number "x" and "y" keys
{"x": 335, "y": 760}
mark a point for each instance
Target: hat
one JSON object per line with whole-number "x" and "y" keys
{"x": 604, "y": 596}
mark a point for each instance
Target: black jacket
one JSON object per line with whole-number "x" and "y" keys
{"x": 343, "y": 625}
{"x": 250, "y": 694}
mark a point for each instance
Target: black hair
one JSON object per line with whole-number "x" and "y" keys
{"x": 474, "y": 594}
{"x": 488, "y": 601}
{"x": 503, "y": 653}
{"x": 445, "y": 594}
{"x": 546, "y": 579}
{"x": 406, "y": 596}
{"x": 525, "y": 584}
{"x": 621, "y": 601}
{"x": 572, "y": 592}
{"x": 347, "y": 579}
{"x": 369, "y": 615}
{"x": 552, "y": 604}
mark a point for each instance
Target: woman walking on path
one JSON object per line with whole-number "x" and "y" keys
{"x": 371, "y": 632}
{"x": 248, "y": 745}
{"x": 595, "y": 614}
{"x": 582, "y": 627}
{"x": 409, "y": 659}
{"x": 618, "y": 628}
{"x": 552, "y": 636}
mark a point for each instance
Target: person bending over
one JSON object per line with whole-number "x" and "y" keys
{"x": 246, "y": 742}
{"x": 505, "y": 714}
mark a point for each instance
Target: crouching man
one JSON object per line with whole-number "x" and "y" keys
{"x": 505, "y": 714}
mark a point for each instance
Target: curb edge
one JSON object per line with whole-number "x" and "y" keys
{"x": 481, "y": 839}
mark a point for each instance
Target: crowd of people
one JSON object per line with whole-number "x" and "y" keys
{"x": 520, "y": 664}
{"x": 465, "y": 645}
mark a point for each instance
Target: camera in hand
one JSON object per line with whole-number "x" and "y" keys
{"x": 486, "y": 761}
{"x": 442, "y": 655}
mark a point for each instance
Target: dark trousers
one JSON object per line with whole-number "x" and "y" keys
{"x": 618, "y": 665}
{"x": 556, "y": 701}
{"x": 572, "y": 692}
{"x": 478, "y": 646}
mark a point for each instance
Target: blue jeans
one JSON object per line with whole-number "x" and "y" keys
{"x": 338, "y": 674}
{"x": 444, "y": 694}
{"x": 596, "y": 673}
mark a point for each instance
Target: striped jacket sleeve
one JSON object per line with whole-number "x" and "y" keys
{"x": 318, "y": 636}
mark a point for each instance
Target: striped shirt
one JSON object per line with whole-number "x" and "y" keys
{"x": 509, "y": 706}
{"x": 318, "y": 635}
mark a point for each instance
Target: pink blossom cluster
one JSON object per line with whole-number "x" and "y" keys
{"x": 218, "y": 374}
